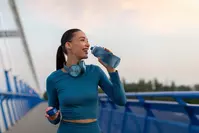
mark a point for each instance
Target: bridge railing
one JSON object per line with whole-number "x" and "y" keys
{"x": 14, "y": 106}
{"x": 15, "y": 101}
{"x": 143, "y": 115}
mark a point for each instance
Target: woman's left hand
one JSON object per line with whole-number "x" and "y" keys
{"x": 109, "y": 69}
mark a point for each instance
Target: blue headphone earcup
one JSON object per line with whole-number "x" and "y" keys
{"x": 76, "y": 70}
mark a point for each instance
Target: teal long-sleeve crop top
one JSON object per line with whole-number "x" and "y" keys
{"x": 77, "y": 98}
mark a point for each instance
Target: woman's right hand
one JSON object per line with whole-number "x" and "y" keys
{"x": 51, "y": 117}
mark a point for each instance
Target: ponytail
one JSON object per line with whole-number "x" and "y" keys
{"x": 60, "y": 58}
{"x": 66, "y": 37}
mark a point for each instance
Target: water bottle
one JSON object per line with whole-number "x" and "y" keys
{"x": 52, "y": 112}
{"x": 107, "y": 57}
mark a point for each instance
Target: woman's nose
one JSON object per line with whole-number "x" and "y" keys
{"x": 87, "y": 44}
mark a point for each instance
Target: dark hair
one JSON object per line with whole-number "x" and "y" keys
{"x": 66, "y": 37}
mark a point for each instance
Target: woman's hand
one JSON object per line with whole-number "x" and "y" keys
{"x": 51, "y": 117}
{"x": 109, "y": 69}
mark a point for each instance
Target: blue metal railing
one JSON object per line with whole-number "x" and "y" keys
{"x": 150, "y": 116}
{"x": 16, "y": 102}
{"x": 139, "y": 115}
{"x": 17, "y": 105}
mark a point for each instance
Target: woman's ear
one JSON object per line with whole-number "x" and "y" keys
{"x": 68, "y": 45}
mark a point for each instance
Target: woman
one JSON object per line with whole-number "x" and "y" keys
{"x": 73, "y": 87}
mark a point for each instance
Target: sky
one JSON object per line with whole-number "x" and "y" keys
{"x": 154, "y": 38}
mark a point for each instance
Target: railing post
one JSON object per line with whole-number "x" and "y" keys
{"x": 7, "y": 81}
{"x": 19, "y": 108}
{"x": 101, "y": 110}
{"x": 14, "y": 102}
{"x": 13, "y": 109}
{"x": 192, "y": 117}
{"x": 149, "y": 113}
{"x": 128, "y": 110}
{"x": 21, "y": 99}
{"x": 6, "y": 72}
{"x": 9, "y": 110}
{"x": 16, "y": 86}
{"x": 21, "y": 86}
{"x": 3, "y": 112}
{"x": 113, "y": 107}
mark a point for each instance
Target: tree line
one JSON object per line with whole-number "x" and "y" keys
{"x": 153, "y": 86}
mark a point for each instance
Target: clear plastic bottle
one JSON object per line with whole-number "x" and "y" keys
{"x": 107, "y": 57}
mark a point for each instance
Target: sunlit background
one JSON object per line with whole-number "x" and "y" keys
{"x": 157, "y": 41}
{"x": 154, "y": 39}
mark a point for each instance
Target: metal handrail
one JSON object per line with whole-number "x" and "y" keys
{"x": 183, "y": 94}
{"x": 18, "y": 101}
{"x": 178, "y": 113}
{"x": 16, "y": 104}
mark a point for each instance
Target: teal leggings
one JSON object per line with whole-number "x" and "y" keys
{"x": 69, "y": 127}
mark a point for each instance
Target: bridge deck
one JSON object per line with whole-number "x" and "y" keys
{"x": 34, "y": 122}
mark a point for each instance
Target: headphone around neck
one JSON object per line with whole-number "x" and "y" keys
{"x": 76, "y": 70}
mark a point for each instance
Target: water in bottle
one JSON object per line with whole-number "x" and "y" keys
{"x": 107, "y": 57}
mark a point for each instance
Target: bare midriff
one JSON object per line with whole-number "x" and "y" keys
{"x": 81, "y": 121}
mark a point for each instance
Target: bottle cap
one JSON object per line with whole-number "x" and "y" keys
{"x": 91, "y": 48}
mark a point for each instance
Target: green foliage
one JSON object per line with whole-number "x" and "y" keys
{"x": 154, "y": 86}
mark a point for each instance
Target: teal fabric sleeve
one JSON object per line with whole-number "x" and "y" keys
{"x": 52, "y": 98}
{"x": 112, "y": 87}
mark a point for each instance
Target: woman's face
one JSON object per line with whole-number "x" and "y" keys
{"x": 79, "y": 45}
